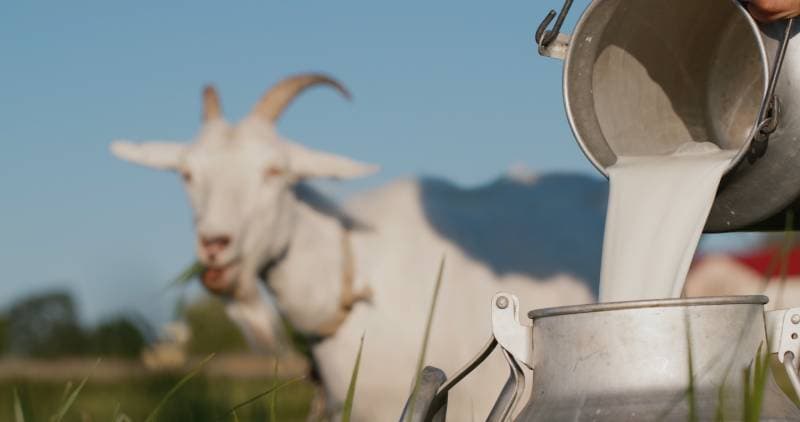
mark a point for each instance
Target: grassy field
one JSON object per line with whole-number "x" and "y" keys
{"x": 201, "y": 399}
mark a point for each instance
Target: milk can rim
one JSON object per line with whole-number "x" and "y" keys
{"x": 639, "y": 304}
{"x": 741, "y": 153}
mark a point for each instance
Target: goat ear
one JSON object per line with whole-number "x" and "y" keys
{"x": 158, "y": 155}
{"x": 305, "y": 163}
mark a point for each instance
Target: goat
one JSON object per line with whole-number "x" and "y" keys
{"x": 337, "y": 271}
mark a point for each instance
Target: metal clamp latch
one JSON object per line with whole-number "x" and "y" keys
{"x": 512, "y": 335}
{"x": 516, "y": 340}
{"x": 783, "y": 334}
{"x": 783, "y": 331}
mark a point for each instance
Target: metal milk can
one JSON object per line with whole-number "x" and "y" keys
{"x": 698, "y": 359}
{"x": 642, "y": 77}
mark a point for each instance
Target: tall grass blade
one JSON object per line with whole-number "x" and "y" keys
{"x": 719, "y": 412}
{"x": 72, "y": 396}
{"x": 67, "y": 389}
{"x": 152, "y": 416}
{"x": 19, "y": 415}
{"x": 118, "y": 416}
{"x": 274, "y": 398}
{"x": 426, "y": 338}
{"x": 115, "y": 415}
{"x": 271, "y": 390}
{"x": 755, "y": 384}
{"x": 347, "y": 410}
{"x": 747, "y": 393}
{"x": 188, "y": 274}
{"x": 691, "y": 391}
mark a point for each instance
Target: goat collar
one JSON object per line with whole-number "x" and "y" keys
{"x": 348, "y": 296}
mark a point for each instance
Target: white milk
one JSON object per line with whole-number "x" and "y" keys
{"x": 657, "y": 208}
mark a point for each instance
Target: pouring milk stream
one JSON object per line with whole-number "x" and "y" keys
{"x": 657, "y": 209}
{"x": 664, "y": 99}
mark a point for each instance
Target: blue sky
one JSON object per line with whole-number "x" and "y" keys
{"x": 454, "y": 89}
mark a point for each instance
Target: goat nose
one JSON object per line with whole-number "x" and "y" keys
{"x": 215, "y": 244}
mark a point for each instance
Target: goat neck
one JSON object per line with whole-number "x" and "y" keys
{"x": 313, "y": 283}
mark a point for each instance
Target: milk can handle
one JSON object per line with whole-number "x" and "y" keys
{"x": 515, "y": 340}
{"x": 768, "y": 113}
{"x": 430, "y": 397}
{"x": 431, "y": 405}
{"x": 419, "y": 405}
{"x": 544, "y": 37}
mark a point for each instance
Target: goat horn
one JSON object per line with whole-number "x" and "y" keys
{"x": 212, "y": 109}
{"x": 275, "y": 101}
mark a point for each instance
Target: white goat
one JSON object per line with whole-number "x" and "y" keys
{"x": 369, "y": 267}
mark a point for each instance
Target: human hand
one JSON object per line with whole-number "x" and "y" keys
{"x": 772, "y": 10}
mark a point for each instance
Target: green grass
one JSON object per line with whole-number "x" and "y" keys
{"x": 425, "y": 338}
{"x": 175, "y": 388}
{"x": 272, "y": 392}
{"x": 18, "y": 415}
{"x": 71, "y": 396}
{"x": 347, "y": 410}
{"x": 196, "y": 397}
{"x": 756, "y": 378}
{"x": 200, "y": 399}
{"x": 188, "y": 274}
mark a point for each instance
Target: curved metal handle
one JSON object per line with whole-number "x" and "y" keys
{"x": 512, "y": 392}
{"x": 436, "y": 407}
{"x": 768, "y": 113}
{"x": 515, "y": 341}
{"x": 439, "y": 402}
{"x": 552, "y": 43}
{"x": 545, "y": 37}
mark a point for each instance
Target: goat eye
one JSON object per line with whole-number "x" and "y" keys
{"x": 273, "y": 171}
{"x": 187, "y": 177}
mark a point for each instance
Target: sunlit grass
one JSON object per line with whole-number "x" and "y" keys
{"x": 270, "y": 392}
{"x": 755, "y": 384}
{"x": 347, "y": 410}
{"x": 18, "y": 415}
{"x": 128, "y": 401}
{"x": 70, "y": 398}
{"x": 202, "y": 399}
{"x": 425, "y": 339}
{"x": 154, "y": 413}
